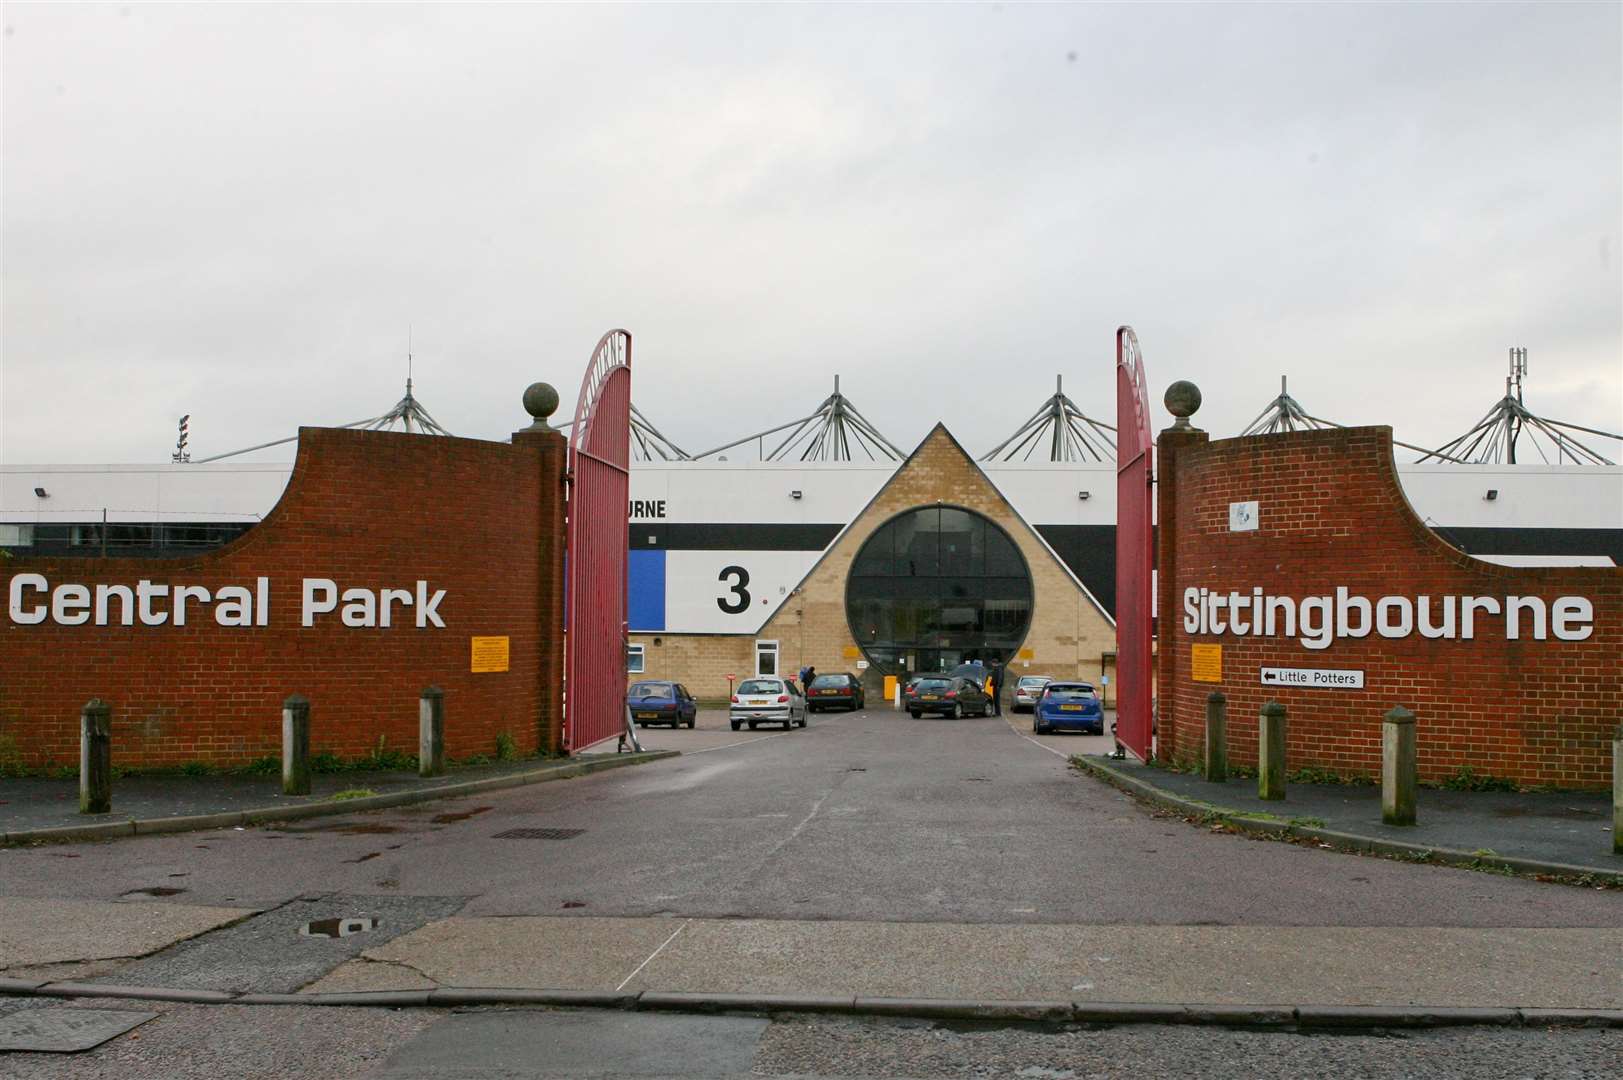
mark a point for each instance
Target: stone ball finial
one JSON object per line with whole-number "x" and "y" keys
{"x": 541, "y": 400}
{"x": 1183, "y": 400}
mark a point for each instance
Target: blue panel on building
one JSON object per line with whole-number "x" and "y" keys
{"x": 645, "y": 600}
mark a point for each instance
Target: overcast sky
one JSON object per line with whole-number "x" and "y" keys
{"x": 237, "y": 212}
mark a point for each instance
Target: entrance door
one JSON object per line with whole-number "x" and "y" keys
{"x": 766, "y": 658}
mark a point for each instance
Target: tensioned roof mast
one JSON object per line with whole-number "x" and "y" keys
{"x": 1495, "y": 437}
{"x": 1285, "y": 413}
{"x": 826, "y": 435}
{"x": 408, "y": 411}
{"x": 648, "y": 443}
{"x": 1068, "y": 432}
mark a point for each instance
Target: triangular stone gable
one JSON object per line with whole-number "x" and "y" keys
{"x": 1069, "y": 630}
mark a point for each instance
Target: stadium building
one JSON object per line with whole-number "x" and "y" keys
{"x": 837, "y": 549}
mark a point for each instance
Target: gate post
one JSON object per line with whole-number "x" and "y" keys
{"x": 552, "y": 455}
{"x": 95, "y": 757}
{"x": 1216, "y": 761}
{"x": 1271, "y": 752}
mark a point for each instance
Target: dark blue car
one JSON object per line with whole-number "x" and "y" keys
{"x": 661, "y": 702}
{"x": 1068, "y": 706}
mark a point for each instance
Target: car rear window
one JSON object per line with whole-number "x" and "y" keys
{"x": 1070, "y": 691}
{"x": 1033, "y": 680}
{"x": 760, "y": 686}
{"x": 650, "y": 690}
{"x": 934, "y": 684}
{"x": 823, "y": 682}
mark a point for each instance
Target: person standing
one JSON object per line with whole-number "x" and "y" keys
{"x": 997, "y": 689}
{"x": 806, "y": 678}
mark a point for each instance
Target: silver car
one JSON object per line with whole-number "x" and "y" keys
{"x": 1028, "y": 690}
{"x": 767, "y": 700}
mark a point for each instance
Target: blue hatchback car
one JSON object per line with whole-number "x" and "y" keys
{"x": 1068, "y": 706}
{"x": 661, "y": 702}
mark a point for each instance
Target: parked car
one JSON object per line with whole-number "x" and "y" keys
{"x": 827, "y": 691}
{"x": 1028, "y": 690}
{"x": 659, "y": 701}
{"x": 947, "y": 695}
{"x": 767, "y": 701}
{"x": 1069, "y": 706}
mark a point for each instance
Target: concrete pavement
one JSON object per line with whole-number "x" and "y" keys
{"x": 1407, "y": 966}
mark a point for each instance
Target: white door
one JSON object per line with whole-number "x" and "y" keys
{"x": 766, "y": 658}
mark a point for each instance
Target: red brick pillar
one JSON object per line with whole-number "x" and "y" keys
{"x": 552, "y": 460}
{"x": 1168, "y": 664}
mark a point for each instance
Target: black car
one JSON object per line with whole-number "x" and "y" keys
{"x": 947, "y": 695}
{"x": 661, "y": 702}
{"x": 827, "y": 691}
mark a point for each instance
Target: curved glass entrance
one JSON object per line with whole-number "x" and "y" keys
{"x": 937, "y": 587}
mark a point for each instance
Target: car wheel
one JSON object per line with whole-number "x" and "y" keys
{"x": 735, "y": 724}
{"x": 914, "y": 713}
{"x": 695, "y": 720}
{"x": 957, "y": 711}
{"x": 752, "y": 725}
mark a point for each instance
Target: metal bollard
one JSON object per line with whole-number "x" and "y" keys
{"x": 1399, "y": 768}
{"x": 95, "y": 757}
{"x": 431, "y": 732}
{"x": 1271, "y": 752}
{"x": 1215, "y": 765}
{"x": 296, "y": 745}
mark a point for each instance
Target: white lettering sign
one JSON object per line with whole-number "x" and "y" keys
{"x": 1243, "y": 516}
{"x": 32, "y": 600}
{"x": 1318, "y": 621}
{"x": 1319, "y": 678}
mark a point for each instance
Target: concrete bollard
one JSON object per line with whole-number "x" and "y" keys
{"x": 1399, "y": 768}
{"x": 296, "y": 745}
{"x": 1617, "y": 791}
{"x": 95, "y": 757}
{"x": 1271, "y": 752}
{"x": 431, "y": 733}
{"x": 1216, "y": 763}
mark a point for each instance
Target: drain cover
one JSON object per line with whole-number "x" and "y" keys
{"x": 62, "y": 1030}
{"x": 336, "y": 927}
{"x": 538, "y": 834}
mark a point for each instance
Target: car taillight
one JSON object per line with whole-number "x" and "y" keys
{"x": 952, "y": 693}
{"x": 735, "y": 699}
{"x": 782, "y": 698}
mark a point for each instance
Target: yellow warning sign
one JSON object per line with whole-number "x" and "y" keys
{"x": 851, "y": 652}
{"x": 1028, "y": 654}
{"x": 1206, "y": 663}
{"x": 489, "y": 654}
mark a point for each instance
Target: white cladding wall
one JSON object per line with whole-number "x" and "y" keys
{"x": 140, "y": 493}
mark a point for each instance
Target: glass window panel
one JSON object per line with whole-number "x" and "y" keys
{"x": 1002, "y": 557}
{"x": 963, "y": 542}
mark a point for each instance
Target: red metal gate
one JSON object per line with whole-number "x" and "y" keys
{"x": 599, "y": 530}
{"x": 1135, "y": 555}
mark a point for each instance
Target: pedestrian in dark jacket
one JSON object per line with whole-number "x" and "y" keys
{"x": 806, "y": 678}
{"x": 997, "y": 689}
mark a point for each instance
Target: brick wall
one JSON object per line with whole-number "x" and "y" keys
{"x": 1068, "y": 635}
{"x": 481, "y": 520}
{"x": 1332, "y": 513}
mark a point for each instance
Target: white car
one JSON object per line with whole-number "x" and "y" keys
{"x": 767, "y": 701}
{"x": 1028, "y": 690}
